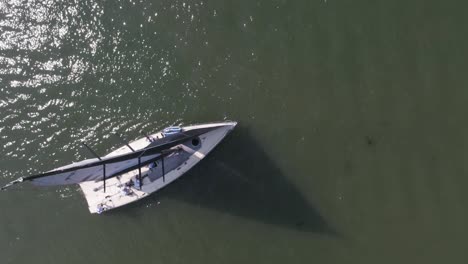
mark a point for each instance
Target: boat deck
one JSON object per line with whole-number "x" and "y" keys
{"x": 118, "y": 193}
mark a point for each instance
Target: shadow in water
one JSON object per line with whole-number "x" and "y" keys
{"x": 238, "y": 178}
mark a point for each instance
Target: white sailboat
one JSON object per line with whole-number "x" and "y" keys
{"x": 138, "y": 168}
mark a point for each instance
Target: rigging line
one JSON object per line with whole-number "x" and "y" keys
{"x": 123, "y": 141}
{"x": 91, "y": 150}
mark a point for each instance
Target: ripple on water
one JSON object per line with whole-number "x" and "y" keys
{"x": 79, "y": 70}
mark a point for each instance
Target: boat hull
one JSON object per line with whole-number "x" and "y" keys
{"x": 119, "y": 193}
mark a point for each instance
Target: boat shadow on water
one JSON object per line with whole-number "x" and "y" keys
{"x": 238, "y": 178}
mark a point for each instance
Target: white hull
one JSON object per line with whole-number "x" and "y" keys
{"x": 99, "y": 201}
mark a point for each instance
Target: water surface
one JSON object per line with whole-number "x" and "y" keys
{"x": 350, "y": 148}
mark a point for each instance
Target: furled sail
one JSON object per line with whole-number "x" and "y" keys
{"x": 92, "y": 173}
{"x": 93, "y": 169}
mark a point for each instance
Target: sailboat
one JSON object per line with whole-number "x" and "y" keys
{"x": 138, "y": 168}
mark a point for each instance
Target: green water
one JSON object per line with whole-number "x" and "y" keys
{"x": 351, "y": 145}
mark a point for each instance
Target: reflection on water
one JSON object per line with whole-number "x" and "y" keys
{"x": 36, "y": 46}
{"x": 78, "y": 70}
{"x": 44, "y": 45}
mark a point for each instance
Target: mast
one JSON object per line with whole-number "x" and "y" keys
{"x": 104, "y": 176}
{"x": 163, "y": 171}
{"x": 88, "y": 170}
{"x": 139, "y": 170}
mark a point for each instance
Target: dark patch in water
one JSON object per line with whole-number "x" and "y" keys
{"x": 370, "y": 141}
